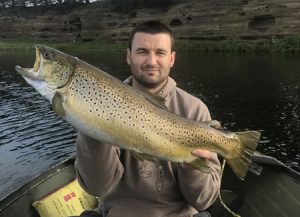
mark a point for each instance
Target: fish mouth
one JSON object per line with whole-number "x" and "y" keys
{"x": 34, "y": 73}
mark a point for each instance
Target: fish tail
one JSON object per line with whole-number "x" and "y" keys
{"x": 249, "y": 141}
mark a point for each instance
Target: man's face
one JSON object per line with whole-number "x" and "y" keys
{"x": 150, "y": 58}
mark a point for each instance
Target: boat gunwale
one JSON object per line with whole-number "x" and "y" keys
{"x": 37, "y": 180}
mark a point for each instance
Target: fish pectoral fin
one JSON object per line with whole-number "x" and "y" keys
{"x": 142, "y": 156}
{"x": 200, "y": 164}
{"x": 137, "y": 156}
{"x": 214, "y": 123}
{"x": 155, "y": 100}
{"x": 57, "y": 105}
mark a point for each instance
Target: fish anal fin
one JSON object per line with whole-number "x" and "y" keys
{"x": 200, "y": 164}
{"x": 57, "y": 105}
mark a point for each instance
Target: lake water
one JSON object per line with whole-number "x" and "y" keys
{"x": 243, "y": 91}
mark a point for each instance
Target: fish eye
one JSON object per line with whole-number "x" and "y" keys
{"x": 47, "y": 55}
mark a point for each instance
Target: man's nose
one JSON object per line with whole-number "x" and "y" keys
{"x": 151, "y": 59}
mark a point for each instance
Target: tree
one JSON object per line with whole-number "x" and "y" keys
{"x": 45, "y": 2}
{"x": 2, "y": 3}
{"x": 21, "y": 3}
{"x": 11, "y": 3}
{"x": 34, "y": 2}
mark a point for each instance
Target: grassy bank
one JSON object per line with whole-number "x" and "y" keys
{"x": 26, "y": 44}
{"x": 291, "y": 44}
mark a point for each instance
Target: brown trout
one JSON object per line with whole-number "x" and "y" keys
{"x": 106, "y": 109}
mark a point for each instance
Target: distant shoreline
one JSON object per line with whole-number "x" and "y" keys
{"x": 285, "y": 45}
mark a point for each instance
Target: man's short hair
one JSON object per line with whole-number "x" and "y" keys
{"x": 151, "y": 27}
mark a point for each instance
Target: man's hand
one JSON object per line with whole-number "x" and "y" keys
{"x": 203, "y": 154}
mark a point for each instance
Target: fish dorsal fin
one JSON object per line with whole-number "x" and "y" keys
{"x": 155, "y": 100}
{"x": 214, "y": 124}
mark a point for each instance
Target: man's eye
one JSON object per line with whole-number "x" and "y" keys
{"x": 161, "y": 53}
{"x": 141, "y": 52}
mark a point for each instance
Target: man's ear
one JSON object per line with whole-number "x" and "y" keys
{"x": 173, "y": 57}
{"x": 128, "y": 56}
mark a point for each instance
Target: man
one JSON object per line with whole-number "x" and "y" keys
{"x": 129, "y": 187}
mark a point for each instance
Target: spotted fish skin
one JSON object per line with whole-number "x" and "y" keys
{"x": 108, "y": 110}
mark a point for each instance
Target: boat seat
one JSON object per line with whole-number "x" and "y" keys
{"x": 232, "y": 199}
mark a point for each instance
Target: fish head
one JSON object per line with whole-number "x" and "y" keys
{"x": 52, "y": 70}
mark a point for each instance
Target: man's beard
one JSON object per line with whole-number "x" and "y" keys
{"x": 149, "y": 83}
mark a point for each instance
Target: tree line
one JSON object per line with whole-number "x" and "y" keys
{"x": 36, "y": 3}
{"x": 118, "y": 5}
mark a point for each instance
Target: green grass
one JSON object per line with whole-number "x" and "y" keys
{"x": 289, "y": 44}
{"x": 25, "y": 44}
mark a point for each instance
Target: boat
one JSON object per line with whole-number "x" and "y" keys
{"x": 270, "y": 189}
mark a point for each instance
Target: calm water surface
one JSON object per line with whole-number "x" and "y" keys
{"x": 243, "y": 91}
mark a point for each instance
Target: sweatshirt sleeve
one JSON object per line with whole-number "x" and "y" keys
{"x": 198, "y": 188}
{"x": 97, "y": 165}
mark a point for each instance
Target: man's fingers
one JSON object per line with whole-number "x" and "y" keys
{"x": 202, "y": 153}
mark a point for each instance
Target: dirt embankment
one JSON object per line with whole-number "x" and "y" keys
{"x": 194, "y": 19}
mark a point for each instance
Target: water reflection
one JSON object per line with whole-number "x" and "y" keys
{"x": 259, "y": 92}
{"x": 31, "y": 136}
{"x": 288, "y": 125}
{"x": 250, "y": 91}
